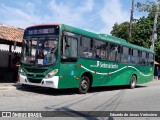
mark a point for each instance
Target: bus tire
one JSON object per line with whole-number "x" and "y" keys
{"x": 133, "y": 81}
{"x": 84, "y": 85}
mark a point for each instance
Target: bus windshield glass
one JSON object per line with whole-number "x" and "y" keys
{"x": 39, "y": 49}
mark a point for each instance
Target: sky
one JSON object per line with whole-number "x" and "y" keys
{"x": 93, "y": 15}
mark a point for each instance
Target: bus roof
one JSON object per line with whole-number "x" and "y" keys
{"x": 44, "y": 25}
{"x": 104, "y": 37}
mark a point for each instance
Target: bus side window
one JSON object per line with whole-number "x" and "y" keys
{"x": 118, "y": 53}
{"x": 113, "y": 49}
{"x": 86, "y": 47}
{"x": 139, "y": 55}
{"x": 100, "y": 50}
{"x": 143, "y": 58}
{"x": 134, "y": 58}
{"x": 147, "y": 58}
{"x": 125, "y": 55}
{"x": 63, "y": 46}
{"x": 69, "y": 49}
{"x": 130, "y": 55}
{"x": 151, "y": 59}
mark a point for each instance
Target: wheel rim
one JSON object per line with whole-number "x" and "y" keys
{"x": 133, "y": 81}
{"x": 84, "y": 84}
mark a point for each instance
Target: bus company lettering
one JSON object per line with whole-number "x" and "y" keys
{"x": 104, "y": 65}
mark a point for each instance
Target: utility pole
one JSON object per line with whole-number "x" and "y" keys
{"x": 131, "y": 20}
{"x": 154, "y": 31}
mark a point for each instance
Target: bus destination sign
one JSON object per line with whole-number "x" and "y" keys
{"x": 41, "y": 31}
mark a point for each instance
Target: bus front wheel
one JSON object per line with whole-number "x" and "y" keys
{"x": 133, "y": 81}
{"x": 84, "y": 85}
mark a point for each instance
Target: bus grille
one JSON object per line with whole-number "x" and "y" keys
{"x": 35, "y": 70}
{"x": 32, "y": 80}
{"x": 35, "y": 75}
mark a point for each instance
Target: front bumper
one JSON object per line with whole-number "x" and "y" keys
{"x": 49, "y": 82}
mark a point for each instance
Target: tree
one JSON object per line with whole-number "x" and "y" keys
{"x": 141, "y": 30}
{"x": 153, "y": 9}
{"x": 121, "y": 30}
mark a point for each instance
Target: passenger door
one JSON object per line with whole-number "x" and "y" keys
{"x": 69, "y": 55}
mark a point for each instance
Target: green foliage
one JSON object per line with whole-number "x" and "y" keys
{"x": 121, "y": 30}
{"x": 146, "y": 7}
{"x": 141, "y": 31}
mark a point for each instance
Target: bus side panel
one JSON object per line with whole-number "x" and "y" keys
{"x": 145, "y": 74}
{"x": 118, "y": 76}
{"x": 103, "y": 73}
{"x": 106, "y": 73}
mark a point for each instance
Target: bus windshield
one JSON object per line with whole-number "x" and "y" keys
{"x": 40, "y": 50}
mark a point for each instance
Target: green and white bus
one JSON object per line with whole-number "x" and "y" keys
{"x": 60, "y": 56}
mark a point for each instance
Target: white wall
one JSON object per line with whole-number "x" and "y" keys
{"x": 4, "y": 54}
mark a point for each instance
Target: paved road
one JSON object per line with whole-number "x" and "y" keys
{"x": 144, "y": 97}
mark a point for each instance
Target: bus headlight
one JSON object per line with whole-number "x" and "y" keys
{"x": 52, "y": 73}
{"x": 22, "y": 72}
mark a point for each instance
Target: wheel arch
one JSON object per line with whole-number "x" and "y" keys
{"x": 89, "y": 75}
{"x": 131, "y": 76}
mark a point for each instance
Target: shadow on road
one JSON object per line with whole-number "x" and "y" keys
{"x": 47, "y": 91}
{"x": 112, "y": 88}
{"x": 70, "y": 91}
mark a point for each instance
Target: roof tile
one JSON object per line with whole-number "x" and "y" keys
{"x": 11, "y": 33}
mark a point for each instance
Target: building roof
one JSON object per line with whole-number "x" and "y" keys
{"x": 11, "y": 33}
